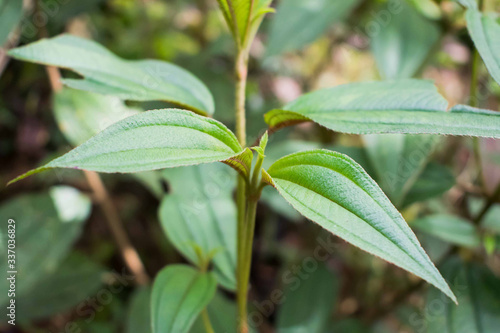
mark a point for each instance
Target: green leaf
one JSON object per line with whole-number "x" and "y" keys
{"x": 398, "y": 161}
{"x": 402, "y": 46}
{"x": 46, "y": 227}
{"x": 179, "y": 294}
{"x": 434, "y": 181}
{"x": 200, "y": 210}
{"x": 223, "y": 316}
{"x": 468, "y": 3}
{"x": 105, "y": 73}
{"x": 11, "y": 12}
{"x": 298, "y": 23}
{"x": 149, "y": 141}
{"x": 80, "y": 115}
{"x": 484, "y": 30}
{"x": 401, "y": 106}
{"x": 319, "y": 291}
{"x": 478, "y": 293}
{"x": 139, "y": 312}
{"x": 71, "y": 283}
{"x": 334, "y": 191}
{"x": 449, "y": 228}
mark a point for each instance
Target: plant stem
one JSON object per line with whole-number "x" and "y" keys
{"x": 245, "y": 236}
{"x": 206, "y": 321}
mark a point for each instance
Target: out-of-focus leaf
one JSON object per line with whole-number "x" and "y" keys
{"x": 11, "y": 12}
{"x": 434, "y": 181}
{"x": 74, "y": 280}
{"x": 478, "y": 293}
{"x": 308, "y": 307}
{"x": 491, "y": 220}
{"x": 468, "y": 3}
{"x": 433, "y": 246}
{"x": 107, "y": 74}
{"x": 139, "y": 312}
{"x": 62, "y": 11}
{"x": 348, "y": 326}
{"x": 401, "y": 106}
{"x": 398, "y": 161}
{"x": 150, "y": 141}
{"x": 223, "y": 316}
{"x": 179, "y": 294}
{"x": 298, "y": 23}
{"x": 80, "y": 115}
{"x": 46, "y": 225}
{"x": 449, "y": 228}
{"x": 402, "y": 46}
{"x": 484, "y": 30}
{"x": 349, "y": 204}
{"x": 200, "y": 211}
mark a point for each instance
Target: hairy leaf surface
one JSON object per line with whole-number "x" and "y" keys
{"x": 105, "y": 73}
{"x": 179, "y": 294}
{"x": 334, "y": 191}
{"x": 401, "y": 106}
{"x": 149, "y": 141}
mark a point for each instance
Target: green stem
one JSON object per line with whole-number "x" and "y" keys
{"x": 206, "y": 321}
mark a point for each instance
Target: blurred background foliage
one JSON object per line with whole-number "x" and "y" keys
{"x": 305, "y": 45}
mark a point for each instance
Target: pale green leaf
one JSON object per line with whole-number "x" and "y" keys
{"x": 298, "y": 23}
{"x": 149, "y": 141}
{"x": 484, "y": 30}
{"x": 46, "y": 227}
{"x": 200, "y": 210}
{"x": 402, "y": 46}
{"x": 334, "y": 191}
{"x": 11, "y": 12}
{"x": 401, "y": 106}
{"x": 478, "y": 293}
{"x": 468, "y": 3}
{"x": 76, "y": 279}
{"x": 449, "y": 228}
{"x": 179, "y": 294}
{"x": 309, "y": 303}
{"x": 105, "y": 73}
{"x": 139, "y": 312}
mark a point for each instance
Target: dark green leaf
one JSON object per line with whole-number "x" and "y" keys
{"x": 11, "y": 12}
{"x": 46, "y": 226}
{"x": 449, "y": 228}
{"x": 107, "y": 74}
{"x": 332, "y": 190}
{"x": 139, "y": 312}
{"x": 179, "y": 294}
{"x": 223, "y": 316}
{"x": 149, "y": 141}
{"x": 200, "y": 211}
{"x": 484, "y": 30}
{"x": 402, "y": 46}
{"x": 298, "y": 23}
{"x": 309, "y": 305}
{"x": 478, "y": 293}
{"x": 404, "y": 106}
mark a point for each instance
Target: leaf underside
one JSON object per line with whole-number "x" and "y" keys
{"x": 401, "y": 106}
{"x": 334, "y": 191}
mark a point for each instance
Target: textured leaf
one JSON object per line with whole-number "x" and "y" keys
{"x": 179, "y": 294}
{"x": 107, "y": 74}
{"x": 332, "y": 190}
{"x": 11, "y": 12}
{"x": 478, "y": 293}
{"x": 139, "y": 312}
{"x": 402, "y": 106}
{"x": 46, "y": 227}
{"x": 434, "y": 181}
{"x": 149, "y": 141}
{"x": 71, "y": 283}
{"x": 80, "y": 115}
{"x": 298, "y": 23}
{"x": 319, "y": 292}
{"x": 484, "y": 30}
{"x": 200, "y": 211}
{"x": 449, "y": 228}
{"x": 402, "y": 46}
